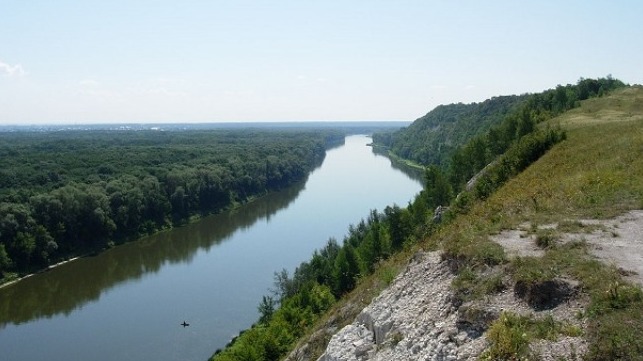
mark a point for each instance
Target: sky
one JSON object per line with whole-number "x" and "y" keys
{"x": 124, "y": 61}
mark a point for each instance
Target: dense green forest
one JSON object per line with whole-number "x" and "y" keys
{"x": 512, "y": 144}
{"x": 432, "y": 138}
{"x": 68, "y": 193}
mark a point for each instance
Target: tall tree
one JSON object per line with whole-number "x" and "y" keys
{"x": 346, "y": 270}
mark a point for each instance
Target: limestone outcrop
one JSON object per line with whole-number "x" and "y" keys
{"x": 413, "y": 319}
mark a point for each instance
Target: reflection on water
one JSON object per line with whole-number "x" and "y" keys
{"x": 411, "y": 172}
{"x": 59, "y": 290}
{"x": 128, "y": 302}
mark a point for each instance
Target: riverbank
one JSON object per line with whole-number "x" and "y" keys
{"x": 73, "y": 192}
{"x": 191, "y": 220}
{"x": 380, "y": 149}
{"x": 12, "y": 281}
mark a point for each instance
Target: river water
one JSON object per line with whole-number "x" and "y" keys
{"x": 128, "y": 302}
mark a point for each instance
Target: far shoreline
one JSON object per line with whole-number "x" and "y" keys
{"x": 48, "y": 268}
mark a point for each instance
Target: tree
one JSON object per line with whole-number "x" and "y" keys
{"x": 346, "y": 270}
{"x": 284, "y": 285}
{"x": 437, "y": 190}
{"x": 266, "y": 309}
{"x": 398, "y": 225}
{"x": 5, "y": 260}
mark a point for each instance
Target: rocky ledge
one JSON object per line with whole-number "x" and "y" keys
{"x": 413, "y": 319}
{"x": 419, "y": 317}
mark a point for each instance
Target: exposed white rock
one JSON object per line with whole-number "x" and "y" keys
{"x": 413, "y": 319}
{"x": 353, "y": 342}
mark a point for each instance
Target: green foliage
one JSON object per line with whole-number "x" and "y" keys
{"x": 616, "y": 296}
{"x": 463, "y": 249}
{"x": 437, "y": 190}
{"x": 521, "y": 154}
{"x": 507, "y": 145}
{"x": 510, "y": 335}
{"x": 508, "y": 338}
{"x": 399, "y": 225}
{"x": 5, "y": 261}
{"x": 618, "y": 335}
{"x": 432, "y": 138}
{"x": 387, "y": 275}
{"x": 494, "y": 127}
{"x": 453, "y": 132}
{"x": 346, "y": 270}
{"x": 273, "y": 337}
{"x": 266, "y": 309}
{"x": 66, "y": 193}
{"x": 468, "y": 285}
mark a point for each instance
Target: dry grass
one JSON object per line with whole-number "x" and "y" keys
{"x": 596, "y": 173}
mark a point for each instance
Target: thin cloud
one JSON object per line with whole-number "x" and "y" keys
{"x": 11, "y": 70}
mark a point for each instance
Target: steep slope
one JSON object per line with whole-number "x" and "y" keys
{"x": 543, "y": 293}
{"x": 432, "y": 138}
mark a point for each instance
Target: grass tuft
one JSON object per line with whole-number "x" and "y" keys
{"x": 546, "y": 238}
{"x": 511, "y": 334}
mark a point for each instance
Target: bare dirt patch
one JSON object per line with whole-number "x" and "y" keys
{"x": 619, "y": 243}
{"x": 518, "y": 242}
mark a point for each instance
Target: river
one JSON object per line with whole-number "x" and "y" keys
{"x": 128, "y": 303}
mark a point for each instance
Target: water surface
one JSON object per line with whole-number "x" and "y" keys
{"x": 128, "y": 302}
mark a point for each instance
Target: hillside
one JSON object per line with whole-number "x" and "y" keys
{"x": 535, "y": 269}
{"x": 432, "y": 138}
{"x": 477, "y": 133}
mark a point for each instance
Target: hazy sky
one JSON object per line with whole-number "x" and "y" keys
{"x": 90, "y": 61}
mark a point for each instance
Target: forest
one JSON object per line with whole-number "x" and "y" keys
{"x": 503, "y": 150}
{"x": 432, "y": 139}
{"x": 67, "y": 193}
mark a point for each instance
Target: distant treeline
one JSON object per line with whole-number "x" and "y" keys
{"x": 511, "y": 145}
{"x": 65, "y": 193}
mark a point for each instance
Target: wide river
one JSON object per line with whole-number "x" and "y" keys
{"x": 128, "y": 303}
